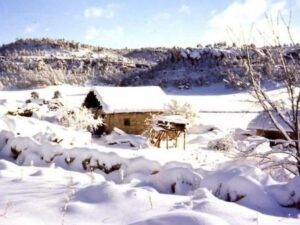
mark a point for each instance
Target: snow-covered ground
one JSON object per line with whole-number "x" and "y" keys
{"x": 33, "y": 195}
{"x": 51, "y": 182}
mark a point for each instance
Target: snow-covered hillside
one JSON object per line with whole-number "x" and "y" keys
{"x": 32, "y": 63}
{"x": 50, "y": 174}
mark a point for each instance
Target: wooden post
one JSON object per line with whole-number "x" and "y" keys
{"x": 184, "y": 140}
{"x": 167, "y": 136}
{"x": 159, "y": 139}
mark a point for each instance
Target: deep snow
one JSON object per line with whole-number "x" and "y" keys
{"x": 48, "y": 183}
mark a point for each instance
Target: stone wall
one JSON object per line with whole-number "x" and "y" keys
{"x": 132, "y": 123}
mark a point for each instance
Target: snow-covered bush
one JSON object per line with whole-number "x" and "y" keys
{"x": 222, "y": 144}
{"x": 175, "y": 180}
{"x": 243, "y": 184}
{"x": 288, "y": 194}
{"x": 275, "y": 160}
{"x": 31, "y": 107}
{"x": 34, "y": 95}
{"x": 79, "y": 119}
{"x": 183, "y": 109}
{"x": 57, "y": 94}
{"x": 55, "y": 104}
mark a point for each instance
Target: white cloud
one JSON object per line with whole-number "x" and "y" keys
{"x": 93, "y": 12}
{"x": 238, "y": 12}
{"x": 31, "y": 28}
{"x": 99, "y": 33}
{"x": 245, "y": 22}
{"x": 184, "y": 9}
{"x": 108, "y": 11}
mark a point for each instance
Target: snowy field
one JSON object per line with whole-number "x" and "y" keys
{"x": 50, "y": 174}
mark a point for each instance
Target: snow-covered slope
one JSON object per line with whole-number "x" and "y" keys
{"x": 33, "y": 63}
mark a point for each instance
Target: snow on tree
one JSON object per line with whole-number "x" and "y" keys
{"x": 183, "y": 109}
{"x": 79, "y": 119}
{"x": 284, "y": 115}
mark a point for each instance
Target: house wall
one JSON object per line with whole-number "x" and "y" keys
{"x": 137, "y": 122}
{"x": 272, "y": 135}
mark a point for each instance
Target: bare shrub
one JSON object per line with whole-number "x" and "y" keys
{"x": 183, "y": 109}
{"x": 283, "y": 114}
{"x": 222, "y": 144}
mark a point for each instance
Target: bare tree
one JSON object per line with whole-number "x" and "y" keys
{"x": 284, "y": 113}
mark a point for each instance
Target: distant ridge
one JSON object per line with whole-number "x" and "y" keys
{"x": 29, "y": 63}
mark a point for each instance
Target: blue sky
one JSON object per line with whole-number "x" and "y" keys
{"x": 145, "y": 23}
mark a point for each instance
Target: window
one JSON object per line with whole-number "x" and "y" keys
{"x": 126, "y": 122}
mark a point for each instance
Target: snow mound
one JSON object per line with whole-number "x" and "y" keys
{"x": 202, "y": 129}
{"x": 203, "y": 201}
{"x": 245, "y": 185}
{"x": 183, "y": 218}
{"x": 8, "y": 168}
{"x": 119, "y": 137}
{"x": 44, "y": 131}
{"x": 287, "y": 195}
{"x": 99, "y": 193}
{"x": 176, "y": 180}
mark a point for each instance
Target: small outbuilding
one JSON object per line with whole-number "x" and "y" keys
{"x": 127, "y": 108}
{"x": 168, "y": 128}
{"x": 263, "y": 126}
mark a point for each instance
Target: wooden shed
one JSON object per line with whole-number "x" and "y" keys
{"x": 126, "y": 108}
{"x": 263, "y": 126}
{"x": 168, "y": 128}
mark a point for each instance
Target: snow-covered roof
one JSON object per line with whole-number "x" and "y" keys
{"x": 263, "y": 121}
{"x": 172, "y": 119}
{"x": 130, "y": 99}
